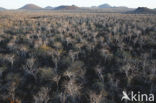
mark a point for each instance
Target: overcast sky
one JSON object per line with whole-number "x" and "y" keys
{"x": 14, "y": 4}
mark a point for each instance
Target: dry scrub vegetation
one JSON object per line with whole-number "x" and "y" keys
{"x": 75, "y": 57}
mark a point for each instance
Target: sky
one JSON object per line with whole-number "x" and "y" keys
{"x": 14, "y": 4}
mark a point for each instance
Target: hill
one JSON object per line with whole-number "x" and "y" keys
{"x": 109, "y": 6}
{"x": 110, "y": 9}
{"x": 104, "y": 6}
{"x": 143, "y": 10}
{"x": 49, "y": 8}
{"x": 31, "y": 7}
{"x": 63, "y": 7}
{"x": 2, "y": 8}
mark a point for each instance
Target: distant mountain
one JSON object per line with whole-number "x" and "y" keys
{"x": 94, "y": 7}
{"x": 49, "y": 8}
{"x": 143, "y": 10}
{"x": 31, "y": 7}
{"x": 120, "y": 7}
{"x": 63, "y": 7}
{"x": 109, "y": 6}
{"x": 104, "y": 6}
{"x": 2, "y": 8}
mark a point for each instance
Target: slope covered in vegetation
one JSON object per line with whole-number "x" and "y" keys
{"x": 75, "y": 58}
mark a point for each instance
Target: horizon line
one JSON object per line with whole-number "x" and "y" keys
{"x": 71, "y": 5}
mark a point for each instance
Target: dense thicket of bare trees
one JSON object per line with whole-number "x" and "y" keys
{"x": 75, "y": 58}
